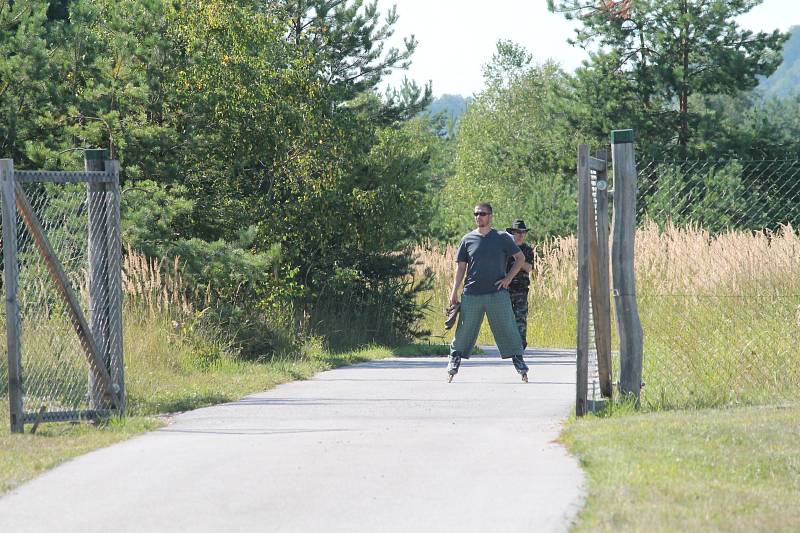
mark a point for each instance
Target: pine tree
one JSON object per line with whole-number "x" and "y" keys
{"x": 671, "y": 50}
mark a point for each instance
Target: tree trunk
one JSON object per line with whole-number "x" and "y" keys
{"x": 683, "y": 136}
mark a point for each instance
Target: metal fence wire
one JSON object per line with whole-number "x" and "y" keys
{"x": 717, "y": 259}
{"x": 58, "y": 377}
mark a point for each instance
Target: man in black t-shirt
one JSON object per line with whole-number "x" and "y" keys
{"x": 482, "y": 257}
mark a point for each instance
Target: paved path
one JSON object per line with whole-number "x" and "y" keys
{"x": 381, "y": 446}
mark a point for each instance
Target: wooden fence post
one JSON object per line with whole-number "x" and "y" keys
{"x": 582, "y": 363}
{"x": 11, "y": 280}
{"x": 114, "y": 269}
{"x": 601, "y": 302}
{"x": 622, "y": 251}
{"x": 97, "y": 207}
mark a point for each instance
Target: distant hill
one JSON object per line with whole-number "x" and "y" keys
{"x": 453, "y": 106}
{"x": 448, "y": 108}
{"x": 785, "y": 81}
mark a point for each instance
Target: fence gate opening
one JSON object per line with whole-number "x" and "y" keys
{"x": 63, "y": 292}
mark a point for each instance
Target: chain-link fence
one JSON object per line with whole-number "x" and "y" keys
{"x": 717, "y": 258}
{"x": 61, "y": 278}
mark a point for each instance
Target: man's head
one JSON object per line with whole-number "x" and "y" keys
{"x": 483, "y": 215}
{"x": 518, "y": 231}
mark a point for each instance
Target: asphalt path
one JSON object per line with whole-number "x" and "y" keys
{"x": 381, "y": 446}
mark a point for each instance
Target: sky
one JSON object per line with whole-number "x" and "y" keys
{"x": 457, "y": 37}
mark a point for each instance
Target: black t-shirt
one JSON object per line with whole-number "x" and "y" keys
{"x": 486, "y": 257}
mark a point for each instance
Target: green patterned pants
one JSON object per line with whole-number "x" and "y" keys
{"x": 519, "y": 303}
{"x": 497, "y": 308}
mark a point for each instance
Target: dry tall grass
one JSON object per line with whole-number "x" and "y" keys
{"x": 157, "y": 285}
{"x": 720, "y": 315}
{"x": 690, "y": 260}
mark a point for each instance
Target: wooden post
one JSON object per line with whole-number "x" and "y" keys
{"x": 628, "y": 325}
{"x": 96, "y": 200}
{"x": 601, "y": 302}
{"x": 10, "y": 281}
{"x": 114, "y": 270}
{"x": 582, "y": 363}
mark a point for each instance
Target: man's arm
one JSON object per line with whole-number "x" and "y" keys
{"x": 519, "y": 261}
{"x": 461, "y": 269}
{"x": 527, "y": 266}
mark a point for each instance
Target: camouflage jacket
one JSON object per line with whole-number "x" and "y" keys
{"x": 522, "y": 280}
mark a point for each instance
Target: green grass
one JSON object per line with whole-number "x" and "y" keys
{"x": 714, "y": 351}
{"x": 708, "y": 470}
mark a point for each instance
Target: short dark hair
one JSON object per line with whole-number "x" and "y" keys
{"x": 485, "y": 206}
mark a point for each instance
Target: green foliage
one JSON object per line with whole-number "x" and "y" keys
{"x": 707, "y": 196}
{"x": 515, "y": 150}
{"x": 269, "y": 161}
{"x": 28, "y": 62}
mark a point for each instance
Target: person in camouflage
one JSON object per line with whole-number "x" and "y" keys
{"x": 518, "y": 289}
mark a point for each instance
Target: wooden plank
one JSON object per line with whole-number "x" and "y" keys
{"x": 77, "y": 319}
{"x": 622, "y": 259}
{"x": 602, "y": 324}
{"x": 10, "y": 281}
{"x": 582, "y": 363}
{"x": 601, "y": 320}
{"x": 597, "y": 164}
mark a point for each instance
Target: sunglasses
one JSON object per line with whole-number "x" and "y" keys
{"x": 481, "y": 213}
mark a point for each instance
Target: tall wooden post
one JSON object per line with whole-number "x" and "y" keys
{"x": 601, "y": 303}
{"x": 10, "y": 281}
{"x": 97, "y": 207}
{"x": 114, "y": 270}
{"x": 622, "y": 250}
{"x": 582, "y": 363}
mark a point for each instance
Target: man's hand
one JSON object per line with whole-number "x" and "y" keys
{"x": 453, "y": 300}
{"x": 503, "y": 283}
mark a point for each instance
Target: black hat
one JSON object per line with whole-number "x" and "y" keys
{"x": 518, "y": 225}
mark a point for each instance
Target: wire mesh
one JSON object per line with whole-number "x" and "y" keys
{"x": 58, "y": 379}
{"x": 717, "y": 280}
{"x": 53, "y": 366}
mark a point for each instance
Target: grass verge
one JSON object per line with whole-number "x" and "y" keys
{"x": 156, "y": 391}
{"x": 710, "y": 470}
